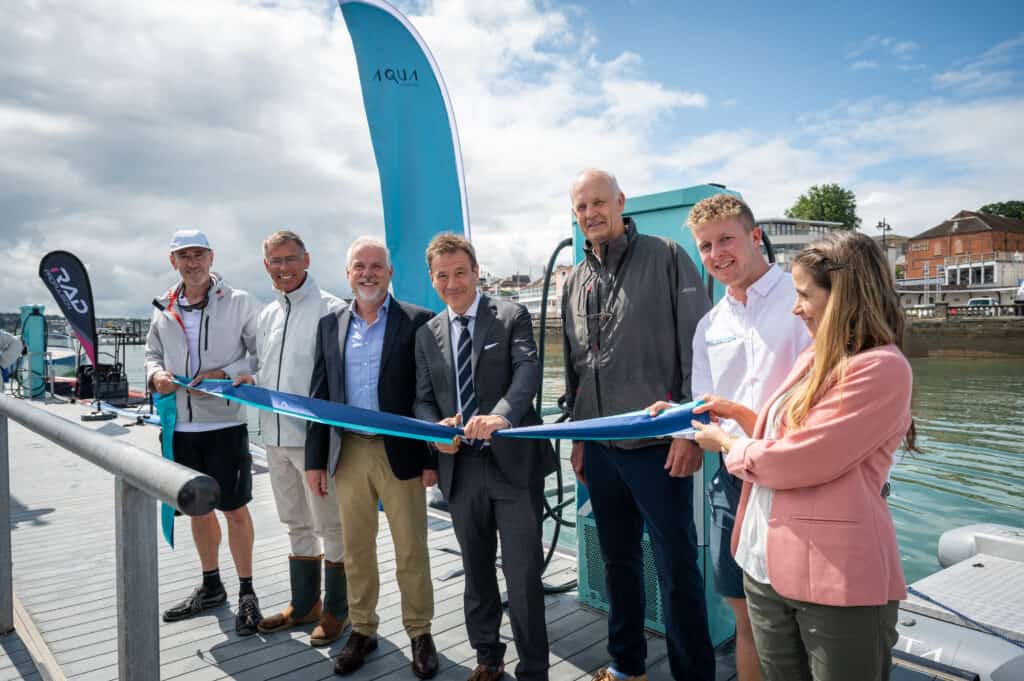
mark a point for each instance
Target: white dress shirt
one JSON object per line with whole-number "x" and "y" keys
{"x": 743, "y": 352}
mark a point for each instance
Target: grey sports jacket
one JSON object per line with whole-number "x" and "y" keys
{"x": 227, "y": 341}
{"x": 628, "y": 321}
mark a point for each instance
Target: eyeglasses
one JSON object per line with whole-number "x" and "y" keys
{"x": 287, "y": 260}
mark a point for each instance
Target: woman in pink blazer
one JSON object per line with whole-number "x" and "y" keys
{"x": 813, "y": 531}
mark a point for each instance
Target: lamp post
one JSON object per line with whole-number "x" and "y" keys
{"x": 884, "y": 227}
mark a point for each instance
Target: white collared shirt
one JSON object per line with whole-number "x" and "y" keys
{"x": 743, "y": 352}
{"x": 455, "y": 326}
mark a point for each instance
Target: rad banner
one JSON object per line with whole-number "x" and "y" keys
{"x": 65, "y": 276}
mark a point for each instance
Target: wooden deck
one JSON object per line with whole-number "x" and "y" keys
{"x": 63, "y": 552}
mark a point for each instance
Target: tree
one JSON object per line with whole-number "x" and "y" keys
{"x": 827, "y": 202}
{"x": 1008, "y": 209}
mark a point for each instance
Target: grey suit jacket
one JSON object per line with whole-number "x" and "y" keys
{"x": 506, "y": 377}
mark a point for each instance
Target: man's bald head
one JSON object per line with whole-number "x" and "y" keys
{"x": 597, "y": 203}
{"x": 598, "y": 175}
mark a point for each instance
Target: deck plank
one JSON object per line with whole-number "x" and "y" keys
{"x": 63, "y": 552}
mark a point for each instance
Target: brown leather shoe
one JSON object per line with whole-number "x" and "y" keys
{"x": 485, "y": 673}
{"x": 424, "y": 656}
{"x": 328, "y": 631}
{"x": 288, "y": 619}
{"x": 606, "y": 675}
{"x": 353, "y": 655}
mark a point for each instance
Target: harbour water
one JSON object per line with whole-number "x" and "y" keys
{"x": 970, "y": 424}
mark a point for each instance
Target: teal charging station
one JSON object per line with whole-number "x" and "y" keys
{"x": 663, "y": 214}
{"x": 32, "y": 370}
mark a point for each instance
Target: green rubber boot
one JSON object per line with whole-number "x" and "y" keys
{"x": 334, "y": 617}
{"x": 305, "y": 606}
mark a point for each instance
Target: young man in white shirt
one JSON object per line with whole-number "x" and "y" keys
{"x": 742, "y": 350}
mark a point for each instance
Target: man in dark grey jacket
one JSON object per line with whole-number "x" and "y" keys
{"x": 629, "y": 311}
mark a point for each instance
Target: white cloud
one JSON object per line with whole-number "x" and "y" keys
{"x": 874, "y": 50}
{"x": 862, "y": 64}
{"x": 995, "y": 70}
{"x": 123, "y": 121}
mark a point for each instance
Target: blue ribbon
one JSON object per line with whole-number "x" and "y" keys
{"x": 630, "y": 426}
{"x": 166, "y": 407}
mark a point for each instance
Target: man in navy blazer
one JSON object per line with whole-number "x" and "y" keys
{"x": 364, "y": 358}
{"x": 476, "y": 362}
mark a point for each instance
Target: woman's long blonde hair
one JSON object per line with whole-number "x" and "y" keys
{"x": 863, "y": 312}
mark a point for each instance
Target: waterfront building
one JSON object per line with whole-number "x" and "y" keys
{"x": 789, "y": 236}
{"x": 532, "y": 295}
{"x": 970, "y": 255}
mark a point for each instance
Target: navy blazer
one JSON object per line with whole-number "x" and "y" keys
{"x": 396, "y": 386}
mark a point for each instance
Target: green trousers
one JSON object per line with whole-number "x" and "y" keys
{"x": 800, "y": 641}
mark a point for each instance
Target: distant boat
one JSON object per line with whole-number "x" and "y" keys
{"x": 63, "y": 349}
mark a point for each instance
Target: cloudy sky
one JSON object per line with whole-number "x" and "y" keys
{"x": 121, "y": 121}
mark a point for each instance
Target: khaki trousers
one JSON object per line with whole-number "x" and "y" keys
{"x": 363, "y": 479}
{"x": 799, "y": 641}
{"x": 307, "y": 516}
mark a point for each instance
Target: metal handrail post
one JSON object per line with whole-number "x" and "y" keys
{"x": 138, "y": 629}
{"x": 140, "y": 478}
{"x": 6, "y": 563}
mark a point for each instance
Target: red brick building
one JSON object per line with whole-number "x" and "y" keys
{"x": 968, "y": 249}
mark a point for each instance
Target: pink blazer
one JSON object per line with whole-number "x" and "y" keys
{"x": 831, "y": 538}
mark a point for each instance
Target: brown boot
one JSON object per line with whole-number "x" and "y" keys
{"x": 334, "y": 617}
{"x": 305, "y": 606}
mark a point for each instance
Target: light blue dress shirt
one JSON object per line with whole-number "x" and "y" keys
{"x": 363, "y": 346}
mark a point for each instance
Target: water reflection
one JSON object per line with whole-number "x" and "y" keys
{"x": 970, "y": 426}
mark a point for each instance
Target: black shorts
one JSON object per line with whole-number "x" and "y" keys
{"x": 223, "y": 455}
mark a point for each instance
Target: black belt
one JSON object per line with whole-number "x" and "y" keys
{"x": 365, "y": 436}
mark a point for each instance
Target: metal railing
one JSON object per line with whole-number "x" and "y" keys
{"x": 140, "y": 478}
{"x": 986, "y": 310}
{"x": 947, "y": 311}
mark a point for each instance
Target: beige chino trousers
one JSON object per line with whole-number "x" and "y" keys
{"x": 308, "y": 517}
{"x": 363, "y": 479}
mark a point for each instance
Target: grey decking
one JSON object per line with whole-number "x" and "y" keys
{"x": 15, "y": 662}
{"x": 62, "y": 513}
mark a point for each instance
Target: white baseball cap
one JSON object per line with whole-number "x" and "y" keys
{"x": 189, "y": 238}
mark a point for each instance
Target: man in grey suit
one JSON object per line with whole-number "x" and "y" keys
{"x": 476, "y": 362}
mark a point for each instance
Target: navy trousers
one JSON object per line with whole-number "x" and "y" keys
{"x": 628, "y": 489}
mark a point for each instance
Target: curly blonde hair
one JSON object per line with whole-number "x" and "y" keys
{"x": 721, "y": 207}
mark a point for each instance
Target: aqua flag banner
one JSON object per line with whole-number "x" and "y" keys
{"x": 167, "y": 409}
{"x": 623, "y": 427}
{"x": 415, "y": 141}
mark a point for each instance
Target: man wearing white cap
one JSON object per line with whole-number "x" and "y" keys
{"x": 203, "y": 328}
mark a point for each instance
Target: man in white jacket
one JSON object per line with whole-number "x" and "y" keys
{"x": 203, "y": 328}
{"x": 285, "y": 345}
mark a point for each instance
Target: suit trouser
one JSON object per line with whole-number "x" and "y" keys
{"x": 628, "y": 489}
{"x": 484, "y": 508}
{"x": 309, "y": 517}
{"x": 364, "y": 478}
{"x": 800, "y": 641}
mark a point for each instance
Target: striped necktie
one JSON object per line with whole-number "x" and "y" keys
{"x": 464, "y": 362}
